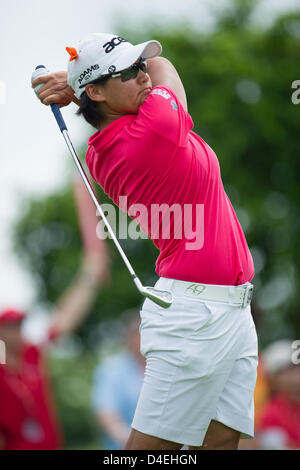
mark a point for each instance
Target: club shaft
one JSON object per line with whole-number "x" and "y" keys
{"x": 98, "y": 207}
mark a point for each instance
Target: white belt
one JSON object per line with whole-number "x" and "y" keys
{"x": 239, "y": 296}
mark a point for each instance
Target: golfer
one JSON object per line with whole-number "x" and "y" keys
{"x": 201, "y": 353}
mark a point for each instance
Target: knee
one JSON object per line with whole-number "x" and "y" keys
{"x": 229, "y": 444}
{"x": 225, "y": 442}
{"x": 223, "y": 439}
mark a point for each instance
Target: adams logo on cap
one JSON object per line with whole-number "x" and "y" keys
{"x": 86, "y": 75}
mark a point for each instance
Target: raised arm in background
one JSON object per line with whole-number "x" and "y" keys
{"x": 74, "y": 304}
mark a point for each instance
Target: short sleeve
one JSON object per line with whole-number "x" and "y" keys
{"x": 163, "y": 114}
{"x": 92, "y": 162}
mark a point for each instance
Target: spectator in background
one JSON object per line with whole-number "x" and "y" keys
{"x": 27, "y": 414}
{"x": 261, "y": 392}
{"x": 116, "y": 386}
{"x": 279, "y": 426}
{"x": 261, "y": 396}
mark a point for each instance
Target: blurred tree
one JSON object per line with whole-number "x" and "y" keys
{"x": 48, "y": 241}
{"x": 238, "y": 82}
{"x": 72, "y": 388}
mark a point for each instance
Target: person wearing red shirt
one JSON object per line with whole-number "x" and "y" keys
{"x": 279, "y": 426}
{"x": 201, "y": 352}
{"x": 28, "y": 419}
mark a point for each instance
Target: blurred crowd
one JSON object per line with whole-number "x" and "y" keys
{"x": 116, "y": 386}
{"x": 277, "y": 399}
{"x": 28, "y": 417}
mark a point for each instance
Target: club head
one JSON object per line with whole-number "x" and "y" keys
{"x": 160, "y": 297}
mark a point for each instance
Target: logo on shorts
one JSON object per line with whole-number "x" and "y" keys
{"x": 111, "y": 68}
{"x": 195, "y": 289}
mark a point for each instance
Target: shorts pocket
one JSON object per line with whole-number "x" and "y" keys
{"x": 192, "y": 319}
{"x": 150, "y": 330}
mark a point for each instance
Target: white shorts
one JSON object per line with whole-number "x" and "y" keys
{"x": 201, "y": 361}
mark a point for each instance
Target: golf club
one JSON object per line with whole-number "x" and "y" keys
{"x": 162, "y": 298}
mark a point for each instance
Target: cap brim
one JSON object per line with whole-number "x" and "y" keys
{"x": 146, "y": 50}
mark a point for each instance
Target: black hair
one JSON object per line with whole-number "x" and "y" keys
{"x": 89, "y": 108}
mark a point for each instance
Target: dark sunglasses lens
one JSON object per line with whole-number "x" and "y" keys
{"x": 133, "y": 71}
{"x": 129, "y": 73}
{"x": 143, "y": 67}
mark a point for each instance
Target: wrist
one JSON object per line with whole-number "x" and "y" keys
{"x": 76, "y": 100}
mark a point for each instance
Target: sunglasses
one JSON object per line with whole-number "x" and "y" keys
{"x": 126, "y": 74}
{"x": 132, "y": 71}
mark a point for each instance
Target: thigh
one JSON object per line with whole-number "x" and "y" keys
{"x": 140, "y": 441}
{"x": 236, "y": 404}
{"x": 219, "y": 437}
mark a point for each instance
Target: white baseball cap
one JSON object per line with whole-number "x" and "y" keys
{"x": 100, "y": 54}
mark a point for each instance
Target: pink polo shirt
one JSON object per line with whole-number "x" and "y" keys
{"x": 170, "y": 182}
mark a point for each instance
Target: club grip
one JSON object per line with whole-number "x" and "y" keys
{"x": 39, "y": 71}
{"x": 58, "y": 116}
{"x": 42, "y": 70}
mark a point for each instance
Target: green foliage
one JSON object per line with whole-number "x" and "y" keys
{"x": 72, "y": 379}
{"x": 47, "y": 239}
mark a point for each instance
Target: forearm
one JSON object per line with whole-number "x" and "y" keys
{"x": 162, "y": 72}
{"x": 76, "y": 100}
{"x": 74, "y": 305}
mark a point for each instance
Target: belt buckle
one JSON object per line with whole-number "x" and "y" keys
{"x": 247, "y": 296}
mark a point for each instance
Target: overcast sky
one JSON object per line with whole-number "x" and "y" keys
{"x": 34, "y": 160}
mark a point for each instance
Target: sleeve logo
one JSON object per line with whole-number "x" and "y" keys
{"x": 163, "y": 93}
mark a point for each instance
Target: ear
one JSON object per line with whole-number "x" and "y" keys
{"x": 95, "y": 93}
